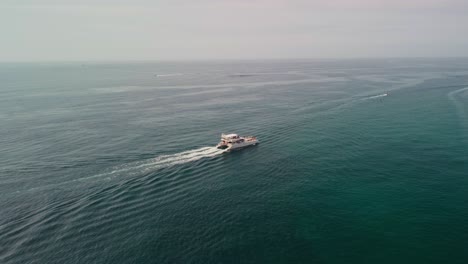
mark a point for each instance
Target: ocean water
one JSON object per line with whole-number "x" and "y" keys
{"x": 115, "y": 162}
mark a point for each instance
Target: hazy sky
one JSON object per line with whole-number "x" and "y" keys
{"x": 50, "y": 30}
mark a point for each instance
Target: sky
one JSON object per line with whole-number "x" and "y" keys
{"x": 106, "y": 30}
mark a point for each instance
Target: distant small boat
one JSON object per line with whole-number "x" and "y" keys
{"x": 234, "y": 141}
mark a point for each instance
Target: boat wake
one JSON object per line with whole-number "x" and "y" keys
{"x": 145, "y": 166}
{"x": 138, "y": 168}
{"x": 457, "y": 97}
{"x": 168, "y": 74}
{"x": 376, "y": 96}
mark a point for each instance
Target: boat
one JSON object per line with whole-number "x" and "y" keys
{"x": 234, "y": 141}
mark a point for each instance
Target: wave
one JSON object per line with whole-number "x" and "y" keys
{"x": 135, "y": 88}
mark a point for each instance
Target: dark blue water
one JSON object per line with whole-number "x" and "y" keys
{"x": 114, "y": 163}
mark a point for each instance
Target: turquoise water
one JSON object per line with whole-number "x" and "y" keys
{"x": 114, "y": 163}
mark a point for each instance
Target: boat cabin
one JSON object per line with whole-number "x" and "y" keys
{"x": 229, "y": 136}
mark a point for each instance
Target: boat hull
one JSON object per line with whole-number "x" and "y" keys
{"x": 237, "y": 146}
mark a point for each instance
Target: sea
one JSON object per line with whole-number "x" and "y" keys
{"x": 359, "y": 161}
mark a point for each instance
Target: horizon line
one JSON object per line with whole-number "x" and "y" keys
{"x": 230, "y": 59}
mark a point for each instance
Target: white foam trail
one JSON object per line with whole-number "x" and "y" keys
{"x": 375, "y": 96}
{"x": 169, "y": 74}
{"x": 452, "y": 94}
{"x": 145, "y": 166}
{"x": 455, "y": 97}
{"x": 165, "y": 161}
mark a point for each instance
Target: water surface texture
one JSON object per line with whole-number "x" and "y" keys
{"x": 360, "y": 161}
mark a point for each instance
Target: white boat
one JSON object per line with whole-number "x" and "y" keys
{"x": 234, "y": 141}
